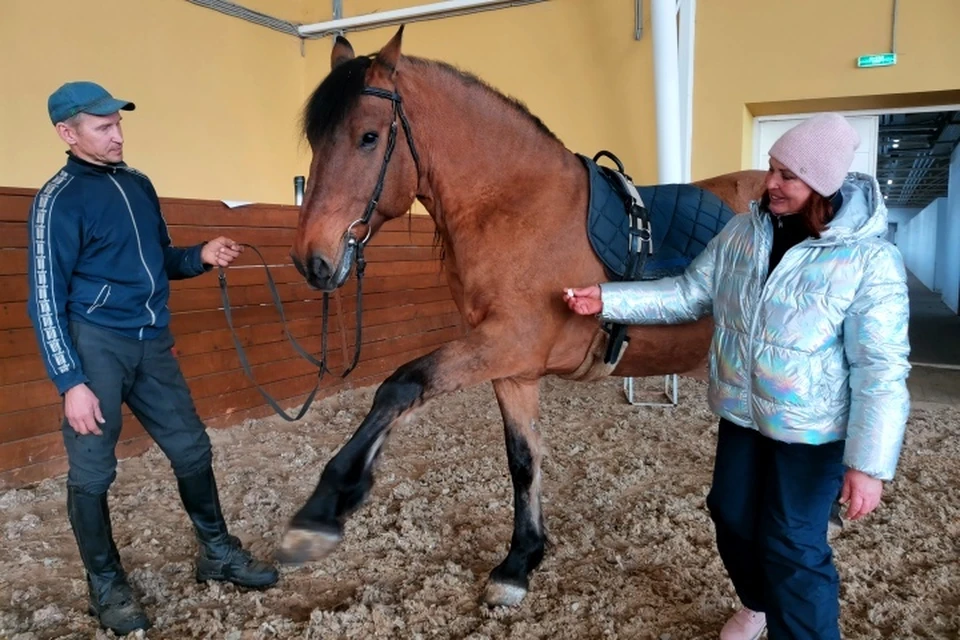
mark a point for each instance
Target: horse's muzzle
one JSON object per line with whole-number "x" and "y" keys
{"x": 319, "y": 273}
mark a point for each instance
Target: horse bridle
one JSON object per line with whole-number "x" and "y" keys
{"x": 355, "y": 247}
{"x": 357, "y": 244}
{"x": 398, "y": 115}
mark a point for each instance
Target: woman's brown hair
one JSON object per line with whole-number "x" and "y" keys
{"x": 816, "y": 213}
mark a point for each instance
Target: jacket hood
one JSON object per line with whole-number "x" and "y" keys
{"x": 862, "y": 215}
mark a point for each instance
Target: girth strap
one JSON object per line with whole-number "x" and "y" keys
{"x": 639, "y": 243}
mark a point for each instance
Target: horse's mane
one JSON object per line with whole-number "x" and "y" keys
{"x": 333, "y": 99}
{"x": 471, "y": 80}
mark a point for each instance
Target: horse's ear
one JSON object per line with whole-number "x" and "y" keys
{"x": 389, "y": 56}
{"x": 342, "y": 52}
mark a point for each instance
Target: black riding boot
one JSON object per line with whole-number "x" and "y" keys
{"x": 221, "y": 556}
{"x": 111, "y": 599}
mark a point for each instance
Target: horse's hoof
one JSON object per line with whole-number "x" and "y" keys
{"x": 303, "y": 545}
{"x": 500, "y": 594}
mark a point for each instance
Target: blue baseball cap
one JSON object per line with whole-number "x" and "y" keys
{"x": 83, "y": 97}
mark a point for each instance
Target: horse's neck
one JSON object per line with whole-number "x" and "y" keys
{"x": 481, "y": 155}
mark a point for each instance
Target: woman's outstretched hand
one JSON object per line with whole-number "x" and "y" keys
{"x": 585, "y": 302}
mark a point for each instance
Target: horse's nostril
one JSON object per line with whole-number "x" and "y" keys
{"x": 318, "y": 269}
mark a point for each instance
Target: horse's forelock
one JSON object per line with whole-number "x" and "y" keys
{"x": 334, "y": 98}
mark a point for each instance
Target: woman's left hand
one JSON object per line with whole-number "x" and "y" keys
{"x": 861, "y": 493}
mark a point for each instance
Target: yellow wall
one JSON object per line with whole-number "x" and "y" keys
{"x": 781, "y": 56}
{"x": 217, "y": 98}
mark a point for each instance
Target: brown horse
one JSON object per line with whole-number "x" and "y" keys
{"x": 509, "y": 202}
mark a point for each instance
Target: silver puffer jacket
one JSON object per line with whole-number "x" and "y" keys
{"x": 815, "y": 353}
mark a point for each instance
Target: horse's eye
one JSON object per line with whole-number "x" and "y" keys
{"x": 369, "y": 139}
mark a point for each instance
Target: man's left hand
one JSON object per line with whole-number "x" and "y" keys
{"x": 220, "y": 252}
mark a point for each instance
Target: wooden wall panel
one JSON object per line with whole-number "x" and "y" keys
{"x": 407, "y": 312}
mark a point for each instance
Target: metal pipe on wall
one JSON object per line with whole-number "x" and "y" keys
{"x": 638, "y": 20}
{"x": 893, "y": 30}
{"x": 435, "y": 10}
{"x": 663, "y": 18}
{"x": 238, "y": 11}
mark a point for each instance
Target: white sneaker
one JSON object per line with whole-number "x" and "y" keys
{"x": 744, "y": 625}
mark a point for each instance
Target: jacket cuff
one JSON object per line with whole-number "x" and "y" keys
{"x": 69, "y": 380}
{"x": 856, "y": 458}
{"x": 197, "y": 266}
{"x": 612, "y": 299}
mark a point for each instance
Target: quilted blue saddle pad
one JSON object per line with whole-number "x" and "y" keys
{"x": 683, "y": 217}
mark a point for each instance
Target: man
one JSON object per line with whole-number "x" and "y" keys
{"x": 100, "y": 261}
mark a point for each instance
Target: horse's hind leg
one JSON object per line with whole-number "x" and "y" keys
{"x": 520, "y": 405}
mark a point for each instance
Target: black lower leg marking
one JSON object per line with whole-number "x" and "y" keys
{"x": 528, "y": 541}
{"x": 348, "y": 477}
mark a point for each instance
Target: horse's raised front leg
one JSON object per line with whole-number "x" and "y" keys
{"x": 317, "y": 527}
{"x": 520, "y": 405}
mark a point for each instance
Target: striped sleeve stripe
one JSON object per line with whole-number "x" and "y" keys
{"x": 48, "y": 323}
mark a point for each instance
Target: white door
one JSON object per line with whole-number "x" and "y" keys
{"x": 767, "y": 130}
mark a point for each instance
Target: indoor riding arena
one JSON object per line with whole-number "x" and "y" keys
{"x": 681, "y": 91}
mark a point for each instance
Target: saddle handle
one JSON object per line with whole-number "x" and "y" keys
{"x": 608, "y": 154}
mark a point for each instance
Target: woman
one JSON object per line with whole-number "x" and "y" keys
{"x": 808, "y": 369}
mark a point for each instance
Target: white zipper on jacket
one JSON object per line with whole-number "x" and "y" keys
{"x": 136, "y": 231}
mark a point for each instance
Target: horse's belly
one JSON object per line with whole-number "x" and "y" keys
{"x": 665, "y": 349}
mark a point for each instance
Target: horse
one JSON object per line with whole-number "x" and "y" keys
{"x": 509, "y": 201}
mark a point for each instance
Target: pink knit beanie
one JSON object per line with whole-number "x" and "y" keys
{"x": 819, "y": 150}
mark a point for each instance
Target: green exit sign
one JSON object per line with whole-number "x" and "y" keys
{"x": 877, "y": 60}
